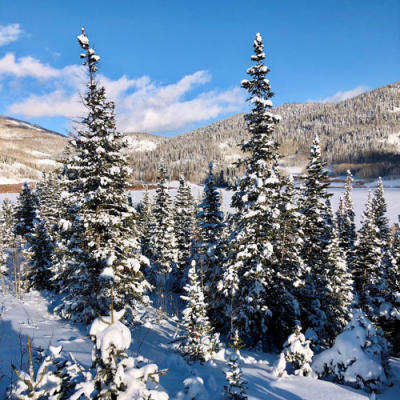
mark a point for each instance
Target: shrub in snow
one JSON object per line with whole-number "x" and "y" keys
{"x": 199, "y": 342}
{"x": 357, "y": 357}
{"x": 114, "y": 374}
{"x": 47, "y": 384}
{"x": 194, "y": 389}
{"x": 297, "y": 353}
{"x": 236, "y": 388}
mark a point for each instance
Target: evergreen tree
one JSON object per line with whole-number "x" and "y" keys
{"x": 257, "y": 213}
{"x": 25, "y": 212}
{"x": 47, "y": 384}
{"x": 163, "y": 247}
{"x": 339, "y": 294}
{"x": 6, "y": 236}
{"x": 48, "y": 193}
{"x": 198, "y": 342}
{"x": 288, "y": 275}
{"x": 39, "y": 253}
{"x": 297, "y": 353}
{"x": 209, "y": 246}
{"x": 389, "y": 311}
{"x": 379, "y": 209}
{"x": 320, "y": 253}
{"x": 367, "y": 272}
{"x": 236, "y": 390}
{"x": 345, "y": 221}
{"x": 183, "y": 227}
{"x": 103, "y": 241}
{"x": 114, "y": 375}
{"x": 145, "y": 224}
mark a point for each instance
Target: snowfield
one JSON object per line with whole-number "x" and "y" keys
{"x": 31, "y": 316}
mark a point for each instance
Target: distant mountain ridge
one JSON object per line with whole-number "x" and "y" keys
{"x": 361, "y": 133}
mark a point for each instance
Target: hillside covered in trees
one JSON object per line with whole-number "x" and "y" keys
{"x": 361, "y": 133}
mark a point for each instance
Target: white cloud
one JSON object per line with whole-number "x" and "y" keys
{"x": 26, "y": 67}
{"x": 141, "y": 104}
{"x": 54, "y": 104}
{"x": 9, "y": 33}
{"x": 339, "y": 96}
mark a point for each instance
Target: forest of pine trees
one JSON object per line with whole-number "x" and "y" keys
{"x": 282, "y": 271}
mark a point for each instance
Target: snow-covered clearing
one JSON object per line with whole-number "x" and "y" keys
{"x": 32, "y": 316}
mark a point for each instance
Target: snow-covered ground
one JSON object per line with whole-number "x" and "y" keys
{"x": 32, "y": 316}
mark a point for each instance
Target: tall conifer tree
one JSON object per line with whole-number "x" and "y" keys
{"x": 104, "y": 244}
{"x": 7, "y": 238}
{"x": 183, "y": 227}
{"x": 256, "y": 200}
{"x": 323, "y": 312}
{"x": 367, "y": 271}
{"x": 163, "y": 247}
{"x": 345, "y": 221}
{"x": 209, "y": 245}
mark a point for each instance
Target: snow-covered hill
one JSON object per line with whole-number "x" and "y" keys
{"x": 27, "y": 149}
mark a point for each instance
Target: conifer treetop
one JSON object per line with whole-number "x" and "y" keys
{"x": 91, "y": 58}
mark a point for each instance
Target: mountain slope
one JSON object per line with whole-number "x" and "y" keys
{"x": 26, "y": 149}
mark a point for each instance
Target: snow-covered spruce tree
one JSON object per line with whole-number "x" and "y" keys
{"x": 389, "y": 310}
{"x": 379, "y": 209}
{"x": 145, "y": 222}
{"x": 323, "y": 312}
{"x": 297, "y": 353}
{"x": 368, "y": 274}
{"x": 236, "y": 388}
{"x": 25, "y": 212}
{"x": 114, "y": 375}
{"x": 198, "y": 342}
{"x": 183, "y": 227}
{"x": 7, "y": 238}
{"x": 209, "y": 252}
{"x": 289, "y": 274}
{"x": 339, "y": 296}
{"x": 257, "y": 213}
{"x": 46, "y": 384}
{"x": 48, "y": 193}
{"x": 345, "y": 221}
{"x": 102, "y": 240}
{"x": 163, "y": 246}
{"x": 39, "y": 254}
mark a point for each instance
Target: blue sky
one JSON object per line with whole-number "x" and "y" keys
{"x": 176, "y": 65}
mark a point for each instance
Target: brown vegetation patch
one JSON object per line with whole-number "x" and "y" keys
{"x": 14, "y": 187}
